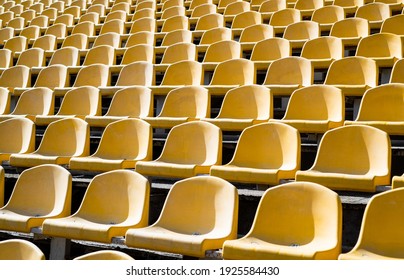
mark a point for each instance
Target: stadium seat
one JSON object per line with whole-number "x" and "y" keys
{"x": 326, "y": 16}
{"x": 183, "y": 104}
{"x": 108, "y": 39}
{"x": 40, "y": 21}
{"x": 16, "y": 23}
{"x": 129, "y": 102}
{"x": 141, "y": 37}
{"x": 282, "y": 18}
{"x": 209, "y": 21}
{"x": 121, "y": 15}
{"x": 78, "y": 41}
{"x": 322, "y": 51}
{"x": 315, "y": 109}
{"x": 199, "y": 214}
{"x": 215, "y": 35}
{"x": 381, "y": 108}
{"x": 196, "y": 3}
{"x": 5, "y": 17}
{"x": 242, "y": 107}
{"x": 350, "y": 6}
{"x": 143, "y": 13}
{"x": 190, "y": 149}
{"x": 246, "y": 19}
{"x": 277, "y": 155}
{"x": 178, "y": 52}
{"x": 114, "y": 25}
{"x": 361, "y": 76}
{"x": 47, "y": 42}
{"x": 394, "y": 25}
{"x": 5, "y": 34}
{"x": 120, "y": 7}
{"x": 114, "y": 202}
{"x": 307, "y": 7}
{"x": 104, "y": 255}
{"x": 268, "y": 50}
{"x": 233, "y": 9}
{"x": 33, "y": 57}
{"x": 66, "y": 56}
{"x": 49, "y": 188}
{"x": 50, "y": 12}
{"x": 66, "y": 19}
{"x": 90, "y": 16}
{"x": 204, "y": 9}
{"x": 87, "y": 28}
{"x": 352, "y": 158}
{"x": 375, "y": 13}
{"x": 15, "y": 77}
{"x": 143, "y": 24}
{"x": 100, "y": 55}
{"x": 256, "y": 33}
{"x": 30, "y": 32}
{"x": 173, "y": 12}
{"x": 20, "y": 249}
{"x": 6, "y": 60}
{"x": 397, "y": 72}
{"x": 16, "y": 44}
{"x": 32, "y": 102}
{"x": 350, "y": 30}
{"x": 62, "y": 140}
{"x": 175, "y": 23}
{"x": 137, "y": 53}
{"x": 379, "y": 236}
{"x": 176, "y": 36}
{"x": 222, "y": 51}
{"x": 310, "y": 230}
{"x": 287, "y": 74}
{"x": 267, "y": 7}
{"x": 77, "y": 103}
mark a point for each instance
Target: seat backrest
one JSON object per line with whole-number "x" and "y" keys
{"x": 290, "y": 71}
{"x": 143, "y": 13}
{"x": 104, "y": 255}
{"x": 325, "y": 47}
{"x": 5, "y": 98}
{"x": 308, "y": 4}
{"x": 49, "y": 188}
{"x": 46, "y": 42}
{"x": 203, "y": 9}
{"x": 16, "y": 44}
{"x": 50, "y": 12}
{"x": 328, "y": 14}
{"x": 5, "y": 58}
{"x": 199, "y": 205}
{"x": 30, "y": 32}
{"x": 144, "y": 76}
{"x": 367, "y": 148}
{"x": 90, "y": 16}
{"x": 86, "y": 28}
{"x": 256, "y": 33}
{"x": 271, "y": 49}
{"x": 96, "y": 75}
{"x": 382, "y": 103}
{"x": 6, "y": 33}
{"x": 177, "y": 36}
{"x": 79, "y": 41}
{"x": 33, "y": 57}
{"x": 394, "y": 25}
{"x": 35, "y": 101}
{"x": 316, "y": 213}
{"x": 114, "y": 25}
{"x": 302, "y": 30}
{"x": 17, "y": 23}
{"x": 349, "y": 3}
{"x": 175, "y": 23}
{"x": 183, "y": 73}
{"x": 141, "y": 37}
{"x": 178, "y": 52}
{"x": 172, "y": 12}
{"x": 247, "y": 102}
{"x": 134, "y": 101}
{"x": 40, "y": 21}
{"x": 196, "y": 3}
{"x": 66, "y": 19}
{"x": 17, "y": 136}
{"x": 187, "y": 101}
{"x": 209, "y": 21}
{"x": 121, "y": 7}
{"x": 362, "y": 71}
{"x": 380, "y": 45}
{"x": 72, "y": 10}
{"x": 108, "y": 39}
{"x": 317, "y": 102}
{"x": 15, "y": 76}
{"x": 350, "y": 28}
{"x": 373, "y": 11}
{"x": 52, "y": 76}
{"x": 121, "y": 15}
{"x": 136, "y": 53}
{"x": 285, "y": 17}
{"x": 101, "y": 54}
{"x": 67, "y": 56}
{"x": 81, "y": 101}
{"x": 67, "y": 137}
{"x": 237, "y": 71}
{"x": 236, "y": 8}
{"x": 222, "y": 51}
{"x": 215, "y": 35}
{"x": 246, "y": 19}
{"x": 20, "y": 249}
{"x": 127, "y": 139}
{"x": 143, "y": 24}
{"x": 193, "y": 142}
{"x": 397, "y": 73}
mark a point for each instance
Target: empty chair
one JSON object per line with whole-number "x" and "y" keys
{"x": 87, "y": 28}
{"x": 300, "y": 32}
{"x": 326, "y": 16}
{"x": 183, "y": 104}
{"x": 379, "y": 237}
{"x": 6, "y": 17}
{"x": 307, "y": 7}
{"x": 234, "y": 9}
{"x": 6, "y": 33}
{"x": 136, "y": 53}
{"x": 190, "y": 149}
{"x": 40, "y": 21}
{"x": 122, "y": 144}
{"x": 114, "y": 25}
{"x": 384, "y": 48}
{"x": 141, "y": 37}
{"x": 32, "y": 102}
{"x": 360, "y": 163}
{"x": 171, "y": 3}
{"x": 129, "y": 102}
{"x": 209, "y": 21}
{"x": 143, "y": 13}
{"x": 287, "y": 74}
{"x": 256, "y": 33}
{"x": 49, "y": 188}
{"x": 246, "y": 19}
{"x": 146, "y": 5}
{"x": 97, "y": 8}
{"x": 394, "y": 25}
{"x": 6, "y": 58}
{"x": 67, "y": 56}
{"x": 109, "y": 39}
{"x": 222, "y": 51}
{"x": 104, "y": 255}
{"x": 242, "y": 107}
{"x": 91, "y": 16}
{"x": 17, "y": 136}
{"x": 311, "y": 229}
{"x": 143, "y": 24}
{"x": 30, "y": 32}
{"x": 397, "y": 72}
{"x": 17, "y": 23}
{"x": 350, "y": 30}
{"x": 16, "y": 44}
{"x": 350, "y": 6}
{"x": 315, "y": 109}
{"x": 361, "y": 76}
{"x": 322, "y": 51}
{"x": 172, "y": 12}
{"x": 199, "y": 214}
{"x": 15, "y": 77}
{"x": 196, "y": 3}
{"x": 178, "y": 52}
{"x": 78, "y": 41}
{"x": 203, "y": 9}
{"x": 223, "y": 4}
{"x": 75, "y": 11}
{"x": 375, "y": 13}
{"x": 33, "y": 57}
{"x": 381, "y": 108}
{"x": 268, "y": 7}
{"x": 114, "y": 202}
{"x": 50, "y": 12}
{"x": 66, "y": 19}
{"x": 4, "y": 101}
{"x": 120, "y": 7}
{"x": 215, "y": 35}
{"x": 72, "y": 138}
{"x": 20, "y": 249}
{"x": 177, "y": 36}
{"x": 175, "y": 23}
{"x": 77, "y": 103}
{"x": 100, "y": 55}
{"x": 282, "y": 18}
{"x": 268, "y": 50}
{"x": 46, "y": 42}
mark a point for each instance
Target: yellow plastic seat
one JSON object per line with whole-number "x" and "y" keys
{"x": 282, "y": 18}
{"x": 17, "y": 136}
{"x": 175, "y": 23}
{"x": 394, "y": 25}
{"x": 256, "y": 33}
{"x": 384, "y": 48}
{"x": 353, "y": 158}
{"x": 15, "y": 77}
{"x": 315, "y": 109}
{"x": 397, "y": 72}
{"x": 322, "y": 51}
{"x": 222, "y": 51}
{"x": 104, "y": 255}
{"x": 178, "y": 52}
{"x": 114, "y": 202}
{"x": 75, "y": 11}
{"x": 242, "y": 107}
{"x": 5, "y": 58}
{"x": 350, "y": 30}
{"x": 49, "y": 188}
{"x": 199, "y": 214}
{"x": 326, "y": 16}
{"x": 32, "y": 102}
{"x": 6, "y": 33}
{"x": 143, "y": 13}
{"x": 122, "y": 144}
{"x": 196, "y": 3}
{"x": 78, "y": 41}
{"x": 33, "y": 57}
{"x": 233, "y": 9}
{"x": 50, "y": 12}
{"x": 204, "y": 9}
{"x": 121, "y": 15}
{"x": 176, "y": 36}
{"x": 4, "y": 101}
{"x": 171, "y": 3}
{"x": 151, "y": 4}
{"x": 90, "y": 16}
{"x": 285, "y": 75}
{"x": 120, "y": 7}
{"x": 209, "y": 21}
{"x": 183, "y": 104}
{"x": 66, "y": 19}
{"x": 381, "y": 229}
{"x": 136, "y": 53}
{"x": 277, "y": 155}
{"x": 375, "y": 13}
{"x": 114, "y": 25}
{"x": 16, "y": 44}
{"x": 77, "y": 103}
{"x": 381, "y": 108}
{"x": 96, "y": 75}
{"x": 20, "y": 249}
{"x": 87, "y": 28}
{"x": 268, "y": 50}
{"x": 172, "y": 12}
{"x": 307, "y": 7}
{"x": 100, "y": 55}
{"x": 143, "y": 24}
{"x": 300, "y": 32}
{"x": 108, "y": 39}
{"x": 62, "y": 140}
{"x": 349, "y": 6}
{"x": 141, "y": 37}
{"x": 361, "y": 76}
{"x": 246, "y": 19}
{"x": 190, "y": 149}
{"x": 30, "y": 32}
{"x": 66, "y": 56}
{"x": 267, "y": 7}
{"x": 46, "y": 42}
{"x": 310, "y": 230}
{"x": 129, "y": 102}
{"x": 215, "y": 35}
{"x": 17, "y": 23}
{"x": 223, "y": 4}
{"x": 5, "y": 18}
{"x": 40, "y": 21}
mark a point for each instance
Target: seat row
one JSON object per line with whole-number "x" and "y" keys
{"x": 188, "y": 223}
